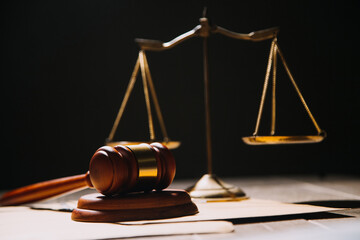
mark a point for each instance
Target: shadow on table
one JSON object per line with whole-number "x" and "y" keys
{"x": 335, "y": 203}
{"x": 306, "y": 216}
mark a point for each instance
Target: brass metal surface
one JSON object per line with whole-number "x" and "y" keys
{"x": 204, "y": 30}
{"x": 268, "y": 140}
{"x": 256, "y": 36}
{"x": 266, "y": 82}
{"x": 211, "y": 187}
{"x": 146, "y": 94}
{"x": 169, "y": 144}
{"x": 273, "y": 102}
{"x": 207, "y": 106}
{"x": 154, "y": 97}
{"x": 318, "y": 129}
{"x": 147, "y": 164}
{"x": 125, "y": 100}
{"x": 142, "y": 65}
{"x": 271, "y": 139}
{"x": 199, "y": 30}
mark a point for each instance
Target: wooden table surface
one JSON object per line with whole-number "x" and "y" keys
{"x": 331, "y": 191}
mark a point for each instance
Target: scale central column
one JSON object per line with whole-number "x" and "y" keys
{"x": 210, "y": 186}
{"x": 207, "y": 106}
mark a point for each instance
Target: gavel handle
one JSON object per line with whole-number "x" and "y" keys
{"x": 44, "y": 190}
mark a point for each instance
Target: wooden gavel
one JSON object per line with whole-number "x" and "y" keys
{"x": 112, "y": 171}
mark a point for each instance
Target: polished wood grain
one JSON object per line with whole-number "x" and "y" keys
{"x": 112, "y": 170}
{"x": 134, "y": 206}
{"x": 44, "y": 190}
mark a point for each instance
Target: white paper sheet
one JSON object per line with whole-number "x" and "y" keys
{"x": 243, "y": 209}
{"x": 24, "y": 223}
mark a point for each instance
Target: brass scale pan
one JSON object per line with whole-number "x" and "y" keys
{"x": 272, "y": 139}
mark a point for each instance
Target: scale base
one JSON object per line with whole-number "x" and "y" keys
{"x": 210, "y": 186}
{"x": 134, "y": 207}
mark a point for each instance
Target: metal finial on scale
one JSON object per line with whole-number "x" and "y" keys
{"x": 204, "y": 12}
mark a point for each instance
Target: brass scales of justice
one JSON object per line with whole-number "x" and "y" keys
{"x": 210, "y": 186}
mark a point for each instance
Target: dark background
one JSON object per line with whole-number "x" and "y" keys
{"x": 65, "y": 66}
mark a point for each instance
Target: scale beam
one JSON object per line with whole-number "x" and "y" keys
{"x": 204, "y": 29}
{"x": 256, "y": 36}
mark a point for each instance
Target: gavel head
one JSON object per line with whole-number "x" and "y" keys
{"x": 134, "y": 168}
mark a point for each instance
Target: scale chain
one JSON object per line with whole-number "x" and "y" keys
{"x": 273, "y": 116}
{"x": 274, "y": 50}
{"x": 142, "y": 64}
{"x": 155, "y": 100}
{"x": 298, "y": 90}
{"x": 263, "y": 96}
{"x": 146, "y": 93}
{"x": 125, "y": 100}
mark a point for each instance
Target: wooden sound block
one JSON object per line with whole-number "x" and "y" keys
{"x": 134, "y": 206}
